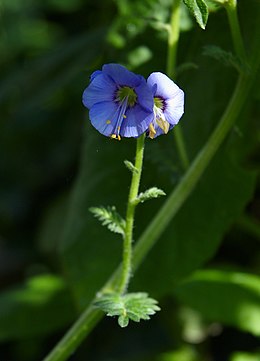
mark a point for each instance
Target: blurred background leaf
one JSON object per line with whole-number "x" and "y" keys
{"x": 40, "y": 307}
{"x": 231, "y": 298}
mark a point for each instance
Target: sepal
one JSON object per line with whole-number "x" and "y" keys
{"x": 110, "y": 218}
{"x": 132, "y": 306}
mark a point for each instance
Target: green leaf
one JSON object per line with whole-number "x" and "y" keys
{"x": 130, "y": 166}
{"x": 232, "y": 298}
{"x": 219, "y": 2}
{"x": 132, "y": 306}
{"x": 41, "y": 306}
{"x": 199, "y": 10}
{"x": 153, "y": 192}
{"x": 110, "y": 218}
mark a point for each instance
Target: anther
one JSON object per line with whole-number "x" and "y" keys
{"x": 152, "y": 131}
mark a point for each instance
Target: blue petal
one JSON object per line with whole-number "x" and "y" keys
{"x": 94, "y": 74}
{"x": 145, "y": 96}
{"x": 99, "y": 90}
{"x": 121, "y": 76}
{"x": 174, "y": 108}
{"x": 166, "y": 88}
{"x": 136, "y": 122}
{"x": 100, "y": 114}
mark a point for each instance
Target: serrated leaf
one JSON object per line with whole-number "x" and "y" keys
{"x": 130, "y": 166}
{"x": 225, "y": 57}
{"x": 110, "y": 218}
{"x": 153, "y": 192}
{"x": 133, "y": 306}
{"x": 199, "y": 10}
{"x": 123, "y": 321}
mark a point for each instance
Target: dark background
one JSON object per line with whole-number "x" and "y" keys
{"x": 53, "y": 255}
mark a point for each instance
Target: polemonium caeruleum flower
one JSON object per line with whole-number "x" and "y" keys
{"x": 168, "y": 104}
{"x": 120, "y": 102}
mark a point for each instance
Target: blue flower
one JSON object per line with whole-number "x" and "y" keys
{"x": 168, "y": 104}
{"x": 120, "y": 102}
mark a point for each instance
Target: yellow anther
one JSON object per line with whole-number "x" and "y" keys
{"x": 114, "y": 136}
{"x": 163, "y": 124}
{"x": 124, "y": 116}
{"x": 108, "y": 121}
{"x": 152, "y": 131}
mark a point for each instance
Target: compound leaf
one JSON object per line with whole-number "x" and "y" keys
{"x": 110, "y": 218}
{"x": 132, "y": 306}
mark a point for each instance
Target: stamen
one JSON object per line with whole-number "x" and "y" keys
{"x": 159, "y": 117}
{"x": 115, "y": 136}
{"x": 152, "y": 131}
{"x": 163, "y": 124}
{"x": 108, "y": 121}
{"x": 122, "y": 108}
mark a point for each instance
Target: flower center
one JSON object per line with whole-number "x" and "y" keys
{"x": 128, "y": 93}
{"x": 158, "y": 102}
{"x": 159, "y": 118}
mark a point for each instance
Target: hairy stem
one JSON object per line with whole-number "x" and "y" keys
{"x": 173, "y": 39}
{"x": 128, "y": 239}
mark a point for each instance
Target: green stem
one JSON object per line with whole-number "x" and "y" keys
{"x": 173, "y": 39}
{"x": 178, "y": 134}
{"x": 118, "y": 281}
{"x": 231, "y": 8}
{"x": 128, "y": 239}
{"x": 73, "y": 338}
